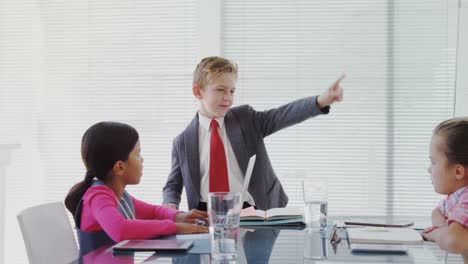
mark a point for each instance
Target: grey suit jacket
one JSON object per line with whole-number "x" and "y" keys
{"x": 246, "y": 129}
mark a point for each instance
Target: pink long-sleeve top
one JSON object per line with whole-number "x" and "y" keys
{"x": 99, "y": 212}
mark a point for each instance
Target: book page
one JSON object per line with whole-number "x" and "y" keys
{"x": 251, "y": 214}
{"x": 284, "y": 213}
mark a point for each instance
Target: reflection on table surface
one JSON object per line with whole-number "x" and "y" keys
{"x": 279, "y": 245}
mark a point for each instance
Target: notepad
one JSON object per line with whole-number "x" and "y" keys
{"x": 378, "y": 248}
{"x": 379, "y": 222}
{"x": 383, "y": 235}
{"x": 152, "y": 245}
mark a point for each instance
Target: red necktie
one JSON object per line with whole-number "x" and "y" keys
{"x": 219, "y": 181}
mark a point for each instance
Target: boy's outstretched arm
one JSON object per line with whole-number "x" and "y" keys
{"x": 438, "y": 219}
{"x": 452, "y": 238}
{"x": 270, "y": 121}
{"x": 334, "y": 93}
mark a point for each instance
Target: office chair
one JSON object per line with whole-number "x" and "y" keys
{"x": 47, "y": 234}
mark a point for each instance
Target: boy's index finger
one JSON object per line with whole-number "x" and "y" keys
{"x": 337, "y": 82}
{"x": 341, "y": 78}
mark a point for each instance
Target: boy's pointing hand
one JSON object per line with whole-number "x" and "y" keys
{"x": 334, "y": 93}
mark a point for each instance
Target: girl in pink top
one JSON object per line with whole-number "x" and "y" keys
{"x": 449, "y": 174}
{"x": 104, "y": 212}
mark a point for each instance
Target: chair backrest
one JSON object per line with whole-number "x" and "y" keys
{"x": 47, "y": 234}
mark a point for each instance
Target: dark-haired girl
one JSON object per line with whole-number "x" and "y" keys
{"x": 104, "y": 212}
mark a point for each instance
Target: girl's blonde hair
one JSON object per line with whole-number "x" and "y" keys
{"x": 455, "y": 133}
{"x": 212, "y": 67}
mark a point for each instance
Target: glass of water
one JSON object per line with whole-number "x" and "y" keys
{"x": 224, "y": 216}
{"x": 315, "y": 203}
{"x": 315, "y": 245}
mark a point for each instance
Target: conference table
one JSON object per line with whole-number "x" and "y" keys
{"x": 277, "y": 244}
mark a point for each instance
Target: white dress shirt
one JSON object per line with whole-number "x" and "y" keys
{"x": 236, "y": 178}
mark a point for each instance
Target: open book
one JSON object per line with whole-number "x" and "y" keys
{"x": 250, "y": 214}
{"x": 383, "y": 235}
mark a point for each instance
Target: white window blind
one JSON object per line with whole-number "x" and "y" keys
{"x": 372, "y": 147}
{"x": 462, "y": 58}
{"x": 73, "y": 63}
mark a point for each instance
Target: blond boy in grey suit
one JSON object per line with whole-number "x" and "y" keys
{"x": 242, "y": 130}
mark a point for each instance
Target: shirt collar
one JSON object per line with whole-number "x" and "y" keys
{"x": 206, "y": 121}
{"x": 459, "y": 192}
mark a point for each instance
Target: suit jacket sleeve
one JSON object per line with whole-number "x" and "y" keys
{"x": 173, "y": 188}
{"x": 270, "y": 121}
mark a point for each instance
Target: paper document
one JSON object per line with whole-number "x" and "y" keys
{"x": 248, "y": 175}
{"x": 379, "y": 222}
{"x": 384, "y": 235}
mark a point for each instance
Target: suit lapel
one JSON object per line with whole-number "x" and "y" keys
{"x": 192, "y": 150}
{"x": 234, "y": 133}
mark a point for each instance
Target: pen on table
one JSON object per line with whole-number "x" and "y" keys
{"x": 347, "y": 238}
{"x": 335, "y": 238}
